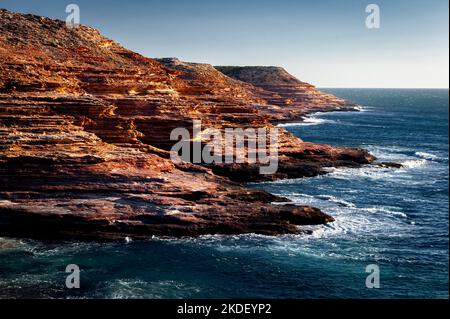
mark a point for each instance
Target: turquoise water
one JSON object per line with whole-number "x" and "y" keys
{"x": 394, "y": 218}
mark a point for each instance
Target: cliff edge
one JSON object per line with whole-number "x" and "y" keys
{"x": 85, "y": 137}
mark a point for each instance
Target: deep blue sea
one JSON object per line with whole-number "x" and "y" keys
{"x": 396, "y": 219}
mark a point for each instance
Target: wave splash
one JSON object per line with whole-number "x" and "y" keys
{"x": 308, "y": 121}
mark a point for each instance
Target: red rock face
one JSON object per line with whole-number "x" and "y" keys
{"x": 84, "y": 140}
{"x": 287, "y": 98}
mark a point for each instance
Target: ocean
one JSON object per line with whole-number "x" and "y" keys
{"x": 396, "y": 219}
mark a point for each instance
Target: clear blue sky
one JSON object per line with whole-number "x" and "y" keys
{"x": 324, "y": 42}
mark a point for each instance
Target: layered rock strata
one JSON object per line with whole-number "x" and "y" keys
{"x": 85, "y": 137}
{"x": 289, "y": 98}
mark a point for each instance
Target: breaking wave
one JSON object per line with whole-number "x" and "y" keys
{"x": 427, "y": 156}
{"x": 413, "y": 163}
{"x": 308, "y": 121}
{"x": 130, "y": 288}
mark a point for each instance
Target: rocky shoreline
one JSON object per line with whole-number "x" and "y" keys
{"x": 85, "y": 140}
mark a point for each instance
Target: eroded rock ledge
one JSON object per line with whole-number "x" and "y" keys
{"x": 84, "y": 140}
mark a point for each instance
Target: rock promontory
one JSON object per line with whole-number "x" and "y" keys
{"x": 85, "y": 141}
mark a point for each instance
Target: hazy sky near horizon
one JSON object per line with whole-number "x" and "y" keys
{"x": 324, "y": 42}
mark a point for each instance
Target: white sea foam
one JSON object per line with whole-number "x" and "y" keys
{"x": 364, "y": 108}
{"x": 135, "y": 288}
{"x": 401, "y": 154}
{"x": 414, "y": 163}
{"x": 338, "y": 201}
{"x": 389, "y": 153}
{"x": 308, "y": 121}
{"x": 384, "y": 211}
{"x": 369, "y": 172}
{"x": 427, "y": 156}
{"x": 351, "y": 223}
{"x": 352, "y": 220}
{"x": 7, "y": 243}
{"x": 374, "y": 172}
{"x": 315, "y": 119}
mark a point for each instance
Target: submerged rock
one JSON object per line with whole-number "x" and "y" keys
{"x": 389, "y": 165}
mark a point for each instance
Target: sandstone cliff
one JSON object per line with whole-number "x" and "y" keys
{"x": 290, "y": 99}
{"x": 84, "y": 140}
